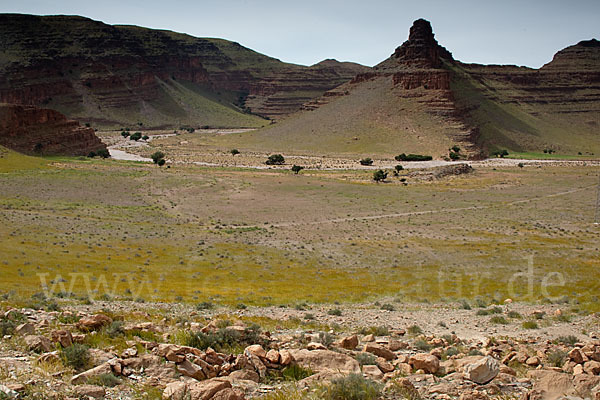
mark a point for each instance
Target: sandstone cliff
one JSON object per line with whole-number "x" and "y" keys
{"x": 40, "y": 131}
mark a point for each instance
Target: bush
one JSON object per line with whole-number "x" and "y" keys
{"x": 107, "y": 380}
{"x": 465, "y": 305}
{"x": 157, "y": 156}
{"x": 568, "y": 340}
{"x": 500, "y": 153}
{"x": 455, "y": 149}
{"x": 295, "y": 372}
{"x": 336, "y": 312}
{"x": 454, "y": 156}
{"x": 414, "y": 330}
{"x": 205, "y": 305}
{"x": 145, "y": 137}
{"x": 366, "y": 161}
{"x": 103, "y": 153}
{"x": 514, "y": 314}
{"x": 125, "y": 134}
{"x": 297, "y": 169}
{"x": 224, "y": 339}
{"x": 7, "y": 327}
{"x": 115, "y": 329}
{"x": 351, "y": 387}
{"x": 388, "y": 307}
{"x": 234, "y": 152}
{"x": 379, "y": 175}
{"x": 275, "y": 159}
{"x": 530, "y": 325}
{"x": 161, "y": 162}
{"x": 325, "y": 339}
{"x": 413, "y": 157}
{"x": 398, "y": 168}
{"x": 557, "y": 358}
{"x": 498, "y": 319}
{"x": 77, "y": 356}
{"x": 451, "y": 351}
{"x": 422, "y": 345}
{"x": 136, "y": 136}
{"x": 365, "y": 358}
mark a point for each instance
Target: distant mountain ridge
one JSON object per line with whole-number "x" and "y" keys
{"x": 122, "y": 75}
{"x": 422, "y": 100}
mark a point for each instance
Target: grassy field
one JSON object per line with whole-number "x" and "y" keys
{"x": 101, "y": 228}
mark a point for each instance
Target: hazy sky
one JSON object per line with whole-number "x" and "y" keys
{"x": 522, "y": 32}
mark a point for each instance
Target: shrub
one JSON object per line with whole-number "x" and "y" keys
{"x": 451, "y": 351}
{"x": 295, "y": 372}
{"x": 275, "y": 159}
{"x": 422, "y": 345}
{"x": 521, "y": 165}
{"x": 157, "y": 156}
{"x": 366, "y": 161}
{"x": 91, "y": 154}
{"x": 375, "y": 331}
{"x": 414, "y": 330}
{"x": 234, "y": 152}
{"x": 498, "y": 319}
{"x": 223, "y": 339}
{"x": 379, "y": 176}
{"x": 398, "y": 168}
{"x": 454, "y": 156}
{"x": 336, "y": 312}
{"x": 455, "y": 149}
{"x": 568, "y": 340}
{"x": 107, "y": 380}
{"x": 475, "y": 352}
{"x": 465, "y": 305}
{"x": 103, "y": 153}
{"x": 136, "y": 136}
{"x": 351, "y": 387}
{"x": 125, "y": 134}
{"x": 145, "y": 137}
{"x": 115, "y": 329}
{"x": 557, "y": 357}
{"x": 76, "y": 356}
{"x": 325, "y": 339}
{"x": 514, "y": 314}
{"x": 413, "y": 157}
{"x": 205, "y": 305}
{"x": 529, "y": 325}
{"x": 500, "y": 153}
{"x": 161, "y": 162}
{"x": 7, "y": 327}
{"x": 297, "y": 168}
{"x": 388, "y": 307}
{"x": 365, "y": 358}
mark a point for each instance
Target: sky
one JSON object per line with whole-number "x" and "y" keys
{"x": 519, "y": 32}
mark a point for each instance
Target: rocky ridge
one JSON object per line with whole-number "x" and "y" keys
{"x": 33, "y": 130}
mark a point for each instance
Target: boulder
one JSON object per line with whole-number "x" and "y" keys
{"x": 428, "y": 363}
{"x": 285, "y": 357}
{"x": 315, "y": 346}
{"x": 383, "y": 365}
{"x": 206, "y": 390}
{"x": 482, "y": 371}
{"x": 229, "y": 394}
{"x": 349, "y": 342}
{"x": 86, "y": 391}
{"x": 25, "y": 329}
{"x": 245, "y": 375}
{"x": 94, "y": 322}
{"x": 37, "y": 343}
{"x": 257, "y": 350}
{"x": 91, "y": 373}
{"x": 190, "y": 369}
{"x": 576, "y": 356}
{"x": 592, "y": 367}
{"x": 372, "y": 372}
{"x": 273, "y": 356}
{"x": 63, "y": 337}
{"x": 326, "y": 360}
{"x": 379, "y": 351}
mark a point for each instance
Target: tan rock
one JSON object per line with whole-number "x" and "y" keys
{"x": 315, "y": 346}
{"x": 533, "y": 361}
{"x": 592, "y": 367}
{"x": 379, "y": 351}
{"x": 473, "y": 395}
{"x": 368, "y": 338}
{"x": 63, "y": 337}
{"x": 482, "y": 371}
{"x": 349, "y": 342}
{"x": 395, "y": 345}
{"x": 94, "y": 322}
{"x": 326, "y": 360}
{"x": 51, "y": 357}
{"x": 273, "y": 356}
{"x": 245, "y": 375}
{"x": 285, "y": 357}
{"x": 257, "y": 350}
{"x": 461, "y": 363}
{"x": 175, "y": 391}
{"x": 205, "y": 390}
{"x": 38, "y": 343}
{"x": 578, "y": 369}
{"x": 25, "y": 329}
{"x": 91, "y": 373}
{"x": 404, "y": 368}
{"x": 551, "y": 385}
{"x": 229, "y": 394}
{"x": 426, "y": 362}
{"x": 190, "y": 369}
{"x": 576, "y": 356}
{"x": 383, "y": 365}
{"x": 97, "y": 392}
{"x": 372, "y": 372}
{"x": 174, "y": 357}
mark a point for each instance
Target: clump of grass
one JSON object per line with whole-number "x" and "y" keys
{"x": 388, "y": 307}
{"x": 514, "y": 314}
{"x": 451, "y": 351}
{"x": 115, "y": 329}
{"x": 351, "y": 387}
{"x": 289, "y": 393}
{"x": 414, "y": 330}
{"x": 77, "y": 356}
{"x": 205, "y": 305}
{"x": 106, "y": 380}
{"x": 422, "y": 345}
{"x": 530, "y": 325}
{"x": 295, "y": 372}
{"x": 365, "y": 358}
{"x": 498, "y": 319}
{"x": 567, "y": 340}
{"x": 7, "y": 327}
{"x": 563, "y": 318}
{"x": 225, "y": 340}
{"x": 475, "y": 352}
{"x": 309, "y": 316}
{"x": 557, "y": 357}
{"x": 465, "y": 305}
{"x": 326, "y": 339}
{"x": 489, "y": 311}
{"x": 335, "y": 312}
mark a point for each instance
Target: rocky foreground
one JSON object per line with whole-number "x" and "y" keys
{"x": 65, "y": 352}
